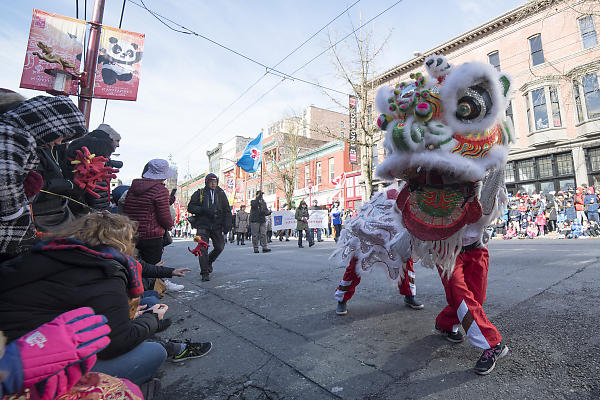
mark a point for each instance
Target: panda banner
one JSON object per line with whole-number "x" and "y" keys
{"x": 119, "y": 64}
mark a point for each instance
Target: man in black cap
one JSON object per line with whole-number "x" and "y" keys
{"x": 212, "y": 219}
{"x": 258, "y": 224}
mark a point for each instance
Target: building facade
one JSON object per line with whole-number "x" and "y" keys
{"x": 550, "y": 48}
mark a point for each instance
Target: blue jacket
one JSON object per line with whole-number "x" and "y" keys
{"x": 336, "y": 216}
{"x": 591, "y": 201}
{"x": 571, "y": 213}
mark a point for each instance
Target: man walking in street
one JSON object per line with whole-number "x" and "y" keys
{"x": 212, "y": 220}
{"x": 258, "y": 224}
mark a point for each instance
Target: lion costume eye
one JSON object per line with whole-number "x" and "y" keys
{"x": 474, "y": 104}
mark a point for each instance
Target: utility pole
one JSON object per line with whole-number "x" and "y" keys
{"x": 91, "y": 60}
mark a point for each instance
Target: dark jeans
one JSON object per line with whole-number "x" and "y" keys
{"x": 138, "y": 365}
{"x": 207, "y": 258}
{"x": 240, "y": 237}
{"x": 309, "y": 236}
{"x": 150, "y": 250}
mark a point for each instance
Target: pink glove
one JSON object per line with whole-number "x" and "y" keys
{"x": 57, "y": 354}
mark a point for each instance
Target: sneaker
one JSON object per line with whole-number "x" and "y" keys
{"x": 256, "y": 251}
{"x": 173, "y": 286}
{"x": 311, "y": 244}
{"x": 193, "y": 350}
{"x": 266, "y": 250}
{"x": 409, "y": 301}
{"x": 454, "y": 337}
{"x": 487, "y": 361}
{"x": 341, "y": 308}
{"x": 205, "y": 277}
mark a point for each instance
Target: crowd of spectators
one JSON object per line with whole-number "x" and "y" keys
{"x": 570, "y": 214}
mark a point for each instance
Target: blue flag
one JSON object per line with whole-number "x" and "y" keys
{"x": 252, "y": 156}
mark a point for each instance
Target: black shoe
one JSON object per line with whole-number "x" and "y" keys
{"x": 300, "y": 246}
{"x": 256, "y": 251}
{"x": 150, "y": 389}
{"x": 287, "y": 240}
{"x": 311, "y": 244}
{"x": 205, "y": 278}
{"x": 164, "y": 324}
{"x": 487, "y": 361}
{"x": 266, "y": 250}
{"x": 280, "y": 238}
{"x": 409, "y": 301}
{"x": 341, "y": 308}
{"x": 454, "y": 337}
{"x": 243, "y": 244}
{"x": 193, "y": 350}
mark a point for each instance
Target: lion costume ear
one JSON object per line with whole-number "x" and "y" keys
{"x": 507, "y": 85}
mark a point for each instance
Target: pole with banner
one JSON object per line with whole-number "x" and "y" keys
{"x": 352, "y": 151}
{"x": 91, "y": 59}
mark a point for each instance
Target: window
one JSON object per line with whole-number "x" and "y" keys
{"x": 588, "y": 31}
{"x": 591, "y": 94}
{"x": 554, "y": 106}
{"x": 375, "y": 156}
{"x": 528, "y": 101}
{"x": 525, "y": 170}
{"x": 342, "y": 124}
{"x": 594, "y": 156}
{"x": 342, "y": 134}
{"x": 537, "y": 53}
{"x": 545, "y": 167}
{"x": 509, "y": 172}
{"x": 494, "y": 59}
{"x": 306, "y": 175}
{"x": 578, "y": 106}
{"x": 565, "y": 184}
{"x": 540, "y": 115}
{"x": 331, "y": 169}
{"x": 564, "y": 163}
{"x": 540, "y": 112}
{"x": 319, "y": 177}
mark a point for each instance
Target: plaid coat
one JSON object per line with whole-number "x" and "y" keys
{"x": 35, "y": 122}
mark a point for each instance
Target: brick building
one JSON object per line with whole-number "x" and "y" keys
{"x": 550, "y": 48}
{"x": 318, "y": 157}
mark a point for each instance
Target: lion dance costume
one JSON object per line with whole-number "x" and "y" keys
{"x": 447, "y": 141}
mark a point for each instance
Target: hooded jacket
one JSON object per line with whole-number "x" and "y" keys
{"x": 23, "y": 129}
{"x": 36, "y": 287}
{"x": 301, "y": 213}
{"x": 147, "y": 202}
{"x": 211, "y": 212}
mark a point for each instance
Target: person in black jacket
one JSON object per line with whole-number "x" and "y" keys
{"x": 258, "y": 223}
{"x": 212, "y": 220}
{"x": 89, "y": 264}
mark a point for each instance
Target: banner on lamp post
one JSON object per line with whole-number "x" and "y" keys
{"x": 352, "y": 150}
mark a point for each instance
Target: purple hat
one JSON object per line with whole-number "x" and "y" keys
{"x": 159, "y": 169}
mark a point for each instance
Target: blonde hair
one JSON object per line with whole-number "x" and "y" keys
{"x": 103, "y": 229}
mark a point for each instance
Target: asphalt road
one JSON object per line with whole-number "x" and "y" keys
{"x": 276, "y": 336}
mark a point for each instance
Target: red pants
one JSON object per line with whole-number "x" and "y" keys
{"x": 465, "y": 293}
{"x": 350, "y": 281}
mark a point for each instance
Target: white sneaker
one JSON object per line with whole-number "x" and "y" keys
{"x": 173, "y": 286}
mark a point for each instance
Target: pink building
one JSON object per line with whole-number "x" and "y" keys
{"x": 551, "y": 51}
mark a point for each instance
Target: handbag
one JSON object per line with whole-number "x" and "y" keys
{"x": 167, "y": 239}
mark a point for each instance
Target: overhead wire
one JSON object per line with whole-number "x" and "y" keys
{"x": 308, "y": 62}
{"x": 194, "y": 33}
{"x": 265, "y": 74}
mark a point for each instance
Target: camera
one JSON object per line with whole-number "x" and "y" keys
{"x": 114, "y": 164}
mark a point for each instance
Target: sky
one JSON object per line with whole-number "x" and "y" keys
{"x": 187, "y": 83}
